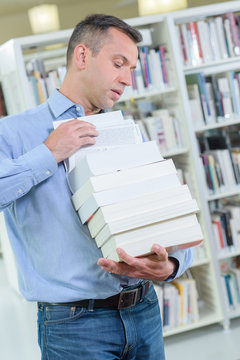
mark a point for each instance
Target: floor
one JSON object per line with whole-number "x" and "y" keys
{"x": 18, "y": 335}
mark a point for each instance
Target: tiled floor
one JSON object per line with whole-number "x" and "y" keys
{"x": 18, "y": 334}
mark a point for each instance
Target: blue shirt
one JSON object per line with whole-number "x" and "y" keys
{"x": 56, "y": 256}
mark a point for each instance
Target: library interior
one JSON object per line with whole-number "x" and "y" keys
{"x": 165, "y": 170}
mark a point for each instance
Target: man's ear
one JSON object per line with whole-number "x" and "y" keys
{"x": 80, "y": 55}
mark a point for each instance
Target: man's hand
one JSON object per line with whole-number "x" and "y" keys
{"x": 69, "y": 137}
{"x": 156, "y": 267}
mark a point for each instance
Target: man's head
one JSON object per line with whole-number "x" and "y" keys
{"x": 101, "y": 57}
{"x": 93, "y": 31}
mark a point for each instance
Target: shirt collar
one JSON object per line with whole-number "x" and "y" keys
{"x": 58, "y": 104}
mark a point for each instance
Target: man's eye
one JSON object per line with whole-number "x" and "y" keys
{"x": 117, "y": 65}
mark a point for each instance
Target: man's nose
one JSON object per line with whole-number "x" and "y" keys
{"x": 126, "y": 78}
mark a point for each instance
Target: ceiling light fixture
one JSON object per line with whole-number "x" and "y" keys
{"x": 150, "y": 7}
{"x": 44, "y": 18}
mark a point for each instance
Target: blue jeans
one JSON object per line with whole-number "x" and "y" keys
{"x": 75, "y": 333}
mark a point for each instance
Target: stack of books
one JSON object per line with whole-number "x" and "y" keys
{"x": 130, "y": 197}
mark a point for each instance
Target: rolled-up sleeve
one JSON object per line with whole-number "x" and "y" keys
{"x": 185, "y": 259}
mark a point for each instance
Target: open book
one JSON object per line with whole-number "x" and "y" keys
{"x": 113, "y": 131}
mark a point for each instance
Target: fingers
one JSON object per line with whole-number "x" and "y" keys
{"x": 160, "y": 252}
{"x": 152, "y": 267}
{"x": 119, "y": 268}
{"x": 130, "y": 260}
{"x": 78, "y": 127}
{"x": 69, "y": 137}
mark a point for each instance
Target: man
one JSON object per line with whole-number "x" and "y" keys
{"x": 88, "y": 307}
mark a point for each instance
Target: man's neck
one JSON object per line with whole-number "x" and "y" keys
{"x": 88, "y": 110}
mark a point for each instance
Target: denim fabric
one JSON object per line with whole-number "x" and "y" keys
{"x": 73, "y": 333}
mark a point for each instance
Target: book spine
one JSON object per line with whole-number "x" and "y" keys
{"x": 182, "y": 45}
{"x": 163, "y": 64}
{"x": 219, "y": 232}
{"x": 234, "y": 31}
{"x": 197, "y": 51}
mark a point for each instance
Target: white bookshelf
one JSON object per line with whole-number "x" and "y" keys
{"x": 15, "y": 53}
{"x": 213, "y": 67}
{"x": 147, "y": 94}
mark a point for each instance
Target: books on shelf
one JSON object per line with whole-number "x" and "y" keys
{"x": 199, "y": 80}
{"x": 226, "y": 228}
{"x": 211, "y": 39}
{"x": 42, "y": 82}
{"x": 178, "y": 302}
{"x": 220, "y": 164}
{"x": 230, "y": 281}
{"x": 216, "y": 95}
{"x": 153, "y": 71}
{"x": 164, "y": 126}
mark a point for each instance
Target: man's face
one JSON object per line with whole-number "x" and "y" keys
{"x": 109, "y": 71}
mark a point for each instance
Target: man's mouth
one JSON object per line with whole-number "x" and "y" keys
{"x": 117, "y": 93}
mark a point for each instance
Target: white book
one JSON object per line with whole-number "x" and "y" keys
{"x": 142, "y": 128}
{"x": 226, "y": 96}
{"x": 113, "y": 131}
{"x": 237, "y": 95}
{"x": 221, "y": 161}
{"x": 211, "y": 101}
{"x": 204, "y": 36}
{"x": 216, "y": 236}
{"x": 221, "y": 37}
{"x": 214, "y": 40}
{"x": 168, "y": 127}
{"x": 187, "y": 43}
{"x": 99, "y": 120}
{"x": 122, "y": 193}
{"x": 155, "y": 130}
{"x": 170, "y": 294}
{"x": 228, "y": 32}
{"x": 142, "y": 213}
{"x": 155, "y": 69}
{"x": 104, "y": 162}
{"x": 172, "y": 241}
{"x": 122, "y": 178}
{"x": 195, "y": 105}
{"x": 110, "y": 230}
{"x": 228, "y": 169}
{"x": 139, "y": 78}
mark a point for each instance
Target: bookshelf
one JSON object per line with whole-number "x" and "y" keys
{"x": 51, "y": 48}
{"x": 219, "y": 68}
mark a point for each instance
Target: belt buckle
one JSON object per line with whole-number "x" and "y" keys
{"x": 127, "y": 299}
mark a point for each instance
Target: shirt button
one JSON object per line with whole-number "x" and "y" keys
{"x": 19, "y": 191}
{"x": 47, "y": 172}
{"x": 78, "y": 108}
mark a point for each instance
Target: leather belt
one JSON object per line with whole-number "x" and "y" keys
{"x": 125, "y": 299}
